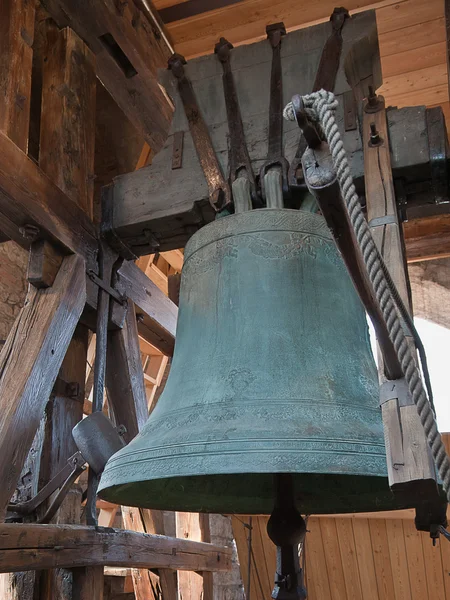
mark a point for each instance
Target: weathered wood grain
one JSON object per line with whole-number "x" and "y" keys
{"x": 67, "y": 137}
{"x": 43, "y": 265}
{"x": 408, "y": 456}
{"x": 173, "y": 204}
{"x": 128, "y": 402}
{"x": 427, "y": 238}
{"x": 159, "y": 314}
{"x": 28, "y": 196}
{"x": 130, "y": 31}
{"x": 54, "y": 546}
{"x": 88, "y": 583}
{"x": 16, "y": 56}
{"x": 29, "y": 364}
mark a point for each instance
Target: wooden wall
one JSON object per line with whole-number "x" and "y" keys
{"x": 367, "y": 557}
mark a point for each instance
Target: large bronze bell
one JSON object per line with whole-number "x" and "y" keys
{"x": 272, "y": 373}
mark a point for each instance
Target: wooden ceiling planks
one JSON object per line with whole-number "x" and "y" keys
{"x": 411, "y": 36}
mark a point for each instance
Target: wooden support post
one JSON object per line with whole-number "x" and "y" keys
{"x": 128, "y": 402}
{"x": 16, "y": 56}
{"x": 67, "y": 140}
{"x": 194, "y": 585}
{"x": 410, "y": 467}
{"x": 87, "y": 583}
{"x": 66, "y": 155}
{"x": 29, "y": 364}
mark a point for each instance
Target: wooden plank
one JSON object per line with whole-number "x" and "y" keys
{"x": 43, "y": 265}
{"x": 67, "y": 140}
{"x": 364, "y": 555}
{"x": 16, "y": 56}
{"x": 436, "y": 94}
{"x": 174, "y": 258}
{"x": 317, "y": 582}
{"x": 414, "y": 81}
{"x": 242, "y": 529}
{"x": 28, "y": 196}
{"x": 417, "y": 59}
{"x": 398, "y": 15}
{"x": 333, "y": 558}
{"x": 245, "y": 22}
{"x": 158, "y": 324}
{"x": 411, "y": 38}
{"x": 347, "y": 546}
{"x": 408, "y": 456}
{"x": 433, "y": 568}
{"x": 88, "y": 583}
{"x": 32, "y": 547}
{"x": 129, "y": 48}
{"x": 29, "y": 364}
{"x": 66, "y": 155}
{"x": 128, "y": 403}
{"x": 399, "y": 561}
{"x": 142, "y": 584}
{"x": 416, "y": 563}
{"x": 381, "y": 559}
{"x": 427, "y": 238}
{"x": 190, "y": 584}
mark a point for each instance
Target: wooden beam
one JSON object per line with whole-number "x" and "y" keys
{"x": 158, "y": 323}
{"x": 129, "y": 47}
{"x": 87, "y": 583}
{"x": 67, "y": 140}
{"x": 128, "y": 402}
{"x": 427, "y": 238}
{"x": 245, "y": 22}
{"x": 30, "y": 546}
{"x": 409, "y": 462}
{"x": 28, "y": 196}
{"x": 16, "y": 56}
{"x": 447, "y": 39}
{"x": 29, "y": 364}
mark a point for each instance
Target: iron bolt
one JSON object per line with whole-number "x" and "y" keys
{"x": 29, "y": 232}
{"x": 372, "y": 98}
{"x": 375, "y": 139}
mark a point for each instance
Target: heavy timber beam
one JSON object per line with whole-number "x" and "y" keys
{"x": 33, "y": 547}
{"x": 28, "y": 196}
{"x": 129, "y": 48}
{"x": 29, "y": 363}
{"x": 128, "y": 403}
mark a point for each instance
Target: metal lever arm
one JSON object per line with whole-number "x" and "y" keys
{"x": 219, "y": 190}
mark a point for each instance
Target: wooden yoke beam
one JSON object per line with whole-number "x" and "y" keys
{"x": 410, "y": 467}
{"x": 29, "y": 364}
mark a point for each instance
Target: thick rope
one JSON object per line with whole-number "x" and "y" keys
{"x": 324, "y": 105}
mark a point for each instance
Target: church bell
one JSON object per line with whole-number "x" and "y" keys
{"x": 272, "y": 373}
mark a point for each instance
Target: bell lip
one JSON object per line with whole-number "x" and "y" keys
{"x": 258, "y": 220}
{"x": 375, "y": 495}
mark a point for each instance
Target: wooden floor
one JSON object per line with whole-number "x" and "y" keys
{"x": 354, "y": 558}
{"x": 411, "y": 33}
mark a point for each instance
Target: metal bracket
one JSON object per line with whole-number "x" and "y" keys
{"x": 107, "y": 288}
{"x": 68, "y": 474}
{"x": 66, "y": 389}
{"x": 395, "y": 388}
{"x": 437, "y": 144}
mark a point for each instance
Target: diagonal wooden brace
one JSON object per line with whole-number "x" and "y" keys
{"x": 29, "y": 364}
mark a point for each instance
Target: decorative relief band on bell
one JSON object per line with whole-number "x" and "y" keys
{"x": 258, "y": 221}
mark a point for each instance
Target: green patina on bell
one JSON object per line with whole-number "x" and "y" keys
{"x": 272, "y": 373}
